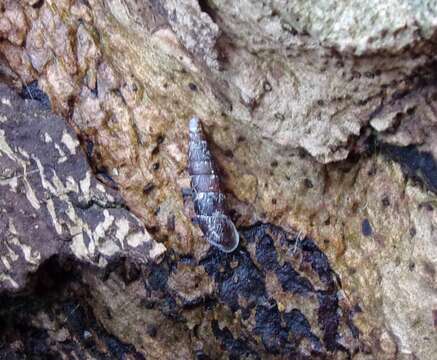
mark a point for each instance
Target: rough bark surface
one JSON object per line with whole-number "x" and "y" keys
{"x": 322, "y": 118}
{"x": 51, "y": 204}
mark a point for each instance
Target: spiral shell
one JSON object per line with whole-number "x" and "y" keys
{"x": 209, "y": 200}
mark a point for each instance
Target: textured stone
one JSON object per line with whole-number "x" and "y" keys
{"x": 51, "y": 204}
{"x": 281, "y": 87}
{"x": 198, "y": 32}
{"x": 295, "y": 88}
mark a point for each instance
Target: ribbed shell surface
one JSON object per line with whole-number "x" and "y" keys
{"x": 209, "y": 201}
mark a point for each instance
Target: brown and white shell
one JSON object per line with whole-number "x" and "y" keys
{"x": 208, "y": 199}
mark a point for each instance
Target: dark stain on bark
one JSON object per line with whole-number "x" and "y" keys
{"x": 240, "y": 280}
{"x": 246, "y": 282}
{"x": 50, "y": 292}
{"x": 33, "y": 92}
{"x": 418, "y": 165}
{"x": 366, "y": 228}
{"x": 236, "y": 348}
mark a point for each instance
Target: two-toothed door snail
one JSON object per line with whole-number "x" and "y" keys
{"x": 208, "y": 199}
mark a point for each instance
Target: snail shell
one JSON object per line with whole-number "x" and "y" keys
{"x": 209, "y": 200}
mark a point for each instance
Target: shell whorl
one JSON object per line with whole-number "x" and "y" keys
{"x": 209, "y": 200}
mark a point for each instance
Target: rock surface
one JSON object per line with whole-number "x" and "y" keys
{"x": 51, "y": 204}
{"x": 322, "y": 119}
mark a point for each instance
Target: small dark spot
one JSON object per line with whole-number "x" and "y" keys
{"x": 399, "y": 94}
{"x": 366, "y": 228}
{"x": 293, "y": 31}
{"x": 158, "y": 277}
{"x": 245, "y": 313}
{"x": 385, "y": 201}
{"x": 155, "y": 151}
{"x": 228, "y": 153}
{"x": 354, "y": 207}
{"x": 426, "y": 205}
{"x": 241, "y": 138}
{"x": 155, "y": 166}
{"x": 411, "y": 110}
{"x": 308, "y": 184}
{"x": 326, "y": 241}
{"x": 169, "y": 308}
{"x": 151, "y": 330}
{"x": 147, "y": 303}
{"x": 274, "y": 201}
{"x": 89, "y": 148}
{"x": 328, "y": 221}
{"x": 38, "y": 4}
{"x": 301, "y": 153}
{"x": 429, "y": 269}
{"x": 200, "y": 355}
{"x": 399, "y": 116}
{"x": 233, "y": 214}
{"x": 192, "y": 87}
{"x": 154, "y": 229}
{"x": 148, "y": 188}
{"x": 103, "y": 176}
{"x": 413, "y": 231}
{"x": 266, "y": 86}
{"x": 372, "y": 171}
{"x": 186, "y": 193}
{"x": 274, "y": 164}
{"x": 434, "y": 317}
{"x": 252, "y": 103}
{"x": 171, "y": 223}
{"x": 320, "y": 102}
{"x": 160, "y": 139}
{"x": 369, "y": 75}
{"x": 356, "y": 309}
{"x": 279, "y": 116}
{"x": 108, "y": 313}
{"x": 33, "y": 92}
{"x": 95, "y": 91}
{"x": 266, "y": 253}
{"x": 356, "y": 74}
